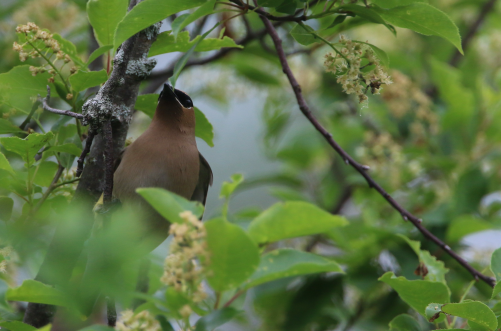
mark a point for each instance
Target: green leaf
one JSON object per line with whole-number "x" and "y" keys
{"x": 69, "y": 48}
{"x": 167, "y": 43}
{"x": 395, "y": 3}
{"x": 149, "y": 12}
{"x": 292, "y": 219}
{"x": 417, "y": 293}
{"x": 434, "y": 313}
{"x": 169, "y": 204}
{"x": 460, "y": 100}
{"x": 404, "y": 322}
{"x": 233, "y": 255}
{"x": 7, "y": 127}
{"x": 436, "y": 269}
{"x": 464, "y": 225}
{"x": 287, "y": 262}
{"x": 97, "y": 327}
{"x": 98, "y": 52}
{"x": 18, "y": 86}
{"x": 27, "y": 148}
{"x": 34, "y": 291}
{"x": 203, "y": 128}
{"x": 227, "y": 188}
{"x": 65, "y": 148}
{"x": 6, "y": 205}
{"x": 214, "y": 44}
{"x": 424, "y": 19}
{"x": 16, "y": 326}
{"x": 182, "y": 61}
{"x": 216, "y": 318}
{"x": 147, "y": 103}
{"x": 182, "y": 21}
{"x": 82, "y": 80}
{"x": 477, "y": 327}
{"x": 287, "y": 7}
{"x": 104, "y": 16}
{"x": 4, "y": 163}
{"x": 302, "y": 34}
{"x": 269, "y": 3}
{"x": 368, "y": 14}
{"x": 45, "y": 173}
{"x": 496, "y": 270}
{"x": 253, "y": 72}
{"x": 474, "y": 311}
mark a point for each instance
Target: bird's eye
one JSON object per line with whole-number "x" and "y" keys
{"x": 184, "y": 99}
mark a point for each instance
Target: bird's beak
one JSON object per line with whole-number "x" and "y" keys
{"x": 168, "y": 94}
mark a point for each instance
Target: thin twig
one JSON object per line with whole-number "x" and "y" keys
{"x": 406, "y": 215}
{"x": 51, "y": 188}
{"x": 71, "y": 181}
{"x": 45, "y": 103}
{"x": 289, "y": 18}
{"x": 472, "y": 31}
{"x": 108, "y": 155}
{"x": 233, "y": 298}
{"x": 86, "y": 150}
{"x": 143, "y": 282}
{"x": 30, "y": 115}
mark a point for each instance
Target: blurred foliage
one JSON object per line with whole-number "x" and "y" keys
{"x": 431, "y": 139}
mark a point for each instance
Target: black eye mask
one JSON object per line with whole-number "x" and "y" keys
{"x": 183, "y": 98}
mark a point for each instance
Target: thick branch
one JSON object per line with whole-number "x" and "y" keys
{"x": 114, "y": 102}
{"x": 486, "y": 9}
{"x": 303, "y": 106}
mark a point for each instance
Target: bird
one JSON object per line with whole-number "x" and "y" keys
{"x": 164, "y": 156}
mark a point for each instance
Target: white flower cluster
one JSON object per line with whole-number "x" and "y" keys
{"x": 5, "y": 253}
{"x": 143, "y": 321}
{"x": 38, "y": 40}
{"x": 406, "y": 97}
{"x": 347, "y": 65}
{"x": 185, "y": 266}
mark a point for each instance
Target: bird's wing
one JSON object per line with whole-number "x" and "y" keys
{"x": 204, "y": 181}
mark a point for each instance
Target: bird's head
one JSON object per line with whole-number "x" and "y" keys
{"x": 174, "y": 104}
{"x": 170, "y": 96}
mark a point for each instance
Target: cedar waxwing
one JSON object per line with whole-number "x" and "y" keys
{"x": 164, "y": 156}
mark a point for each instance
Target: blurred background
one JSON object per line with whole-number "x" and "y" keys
{"x": 432, "y": 139}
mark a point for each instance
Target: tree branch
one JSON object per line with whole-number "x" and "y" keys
{"x": 80, "y": 162}
{"x": 303, "y": 106}
{"x": 486, "y": 9}
{"x": 108, "y": 158}
{"x": 113, "y": 103}
{"x": 45, "y": 104}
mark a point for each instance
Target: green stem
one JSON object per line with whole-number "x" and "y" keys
{"x": 218, "y": 298}
{"x": 325, "y": 41}
{"x": 67, "y": 182}
{"x": 52, "y": 65}
{"x": 28, "y": 183}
